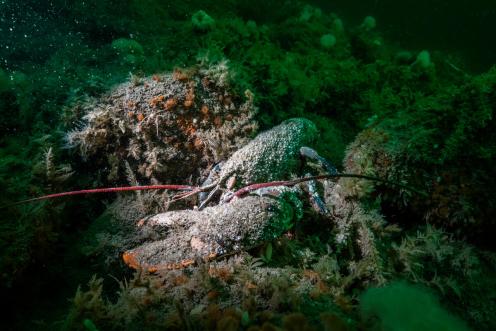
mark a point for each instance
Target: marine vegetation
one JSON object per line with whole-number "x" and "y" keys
{"x": 270, "y": 118}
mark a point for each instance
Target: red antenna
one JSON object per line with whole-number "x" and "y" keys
{"x": 108, "y": 190}
{"x": 196, "y": 189}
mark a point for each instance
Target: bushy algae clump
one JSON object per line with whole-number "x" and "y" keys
{"x": 420, "y": 119}
{"x": 167, "y": 127}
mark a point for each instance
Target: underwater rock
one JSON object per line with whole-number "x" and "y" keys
{"x": 360, "y": 243}
{"x": 440, "y": 145}
{"x": 165, "y": 128}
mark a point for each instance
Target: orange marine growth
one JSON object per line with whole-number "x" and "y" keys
{"x": 217, "y": 121}
{"x": 156, "y": 101}
{"x": 180, "y": 75}
{"x": 131, "y": 104}
{"x": 188, "y": 103}
{"x": 190, "y": 98}
{"x": 130, "y": 259}
{"x": 170, "y": 104}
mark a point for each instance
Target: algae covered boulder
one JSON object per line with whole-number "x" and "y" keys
{"x": 166, "y": 128}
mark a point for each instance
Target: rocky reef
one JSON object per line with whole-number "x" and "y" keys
{"x": 319, "y": 267}
{"x": 165, "y": 128}
{"x": 160, "y": 92}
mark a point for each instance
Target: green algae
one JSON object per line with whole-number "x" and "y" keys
{"x": 401, "y": 306}
{"x": 432, "y": 114}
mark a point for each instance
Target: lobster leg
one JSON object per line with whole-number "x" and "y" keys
{"x": 310, "y": 153}
{"x": 315, "y": 200}
{"x": 213, "y": 177}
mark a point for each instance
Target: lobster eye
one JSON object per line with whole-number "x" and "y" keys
{"x": 271, "y": 208}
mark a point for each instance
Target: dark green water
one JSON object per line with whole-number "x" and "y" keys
{"x": 407, "y": 94}
{"x": 457, "y": 27}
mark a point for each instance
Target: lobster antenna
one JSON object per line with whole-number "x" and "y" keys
{"x": 194, "y": 189}
{"x": 104, "y": 190}
{"x": 257, "y": 186}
